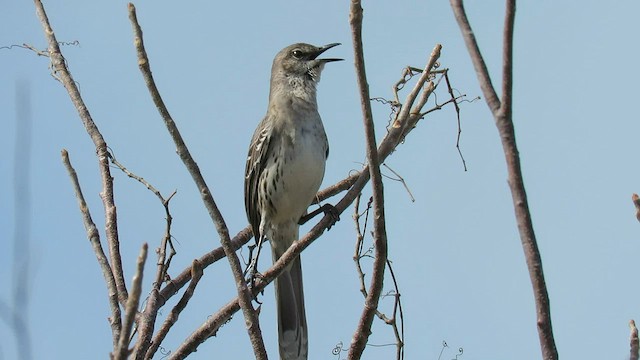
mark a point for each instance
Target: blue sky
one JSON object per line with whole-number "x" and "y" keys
{"x": 455, "y": 250}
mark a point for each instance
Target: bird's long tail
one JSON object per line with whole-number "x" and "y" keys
{"x": 292, "y": 323}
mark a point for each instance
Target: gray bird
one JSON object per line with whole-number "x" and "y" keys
{"x": 284, "y": 171}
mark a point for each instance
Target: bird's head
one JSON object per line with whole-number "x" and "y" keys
{"x": 301, "y": 61}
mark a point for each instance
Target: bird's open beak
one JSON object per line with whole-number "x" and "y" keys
{"x": 323, "y": 49}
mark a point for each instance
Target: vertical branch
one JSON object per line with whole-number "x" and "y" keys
{"x": 502, "y": 112}
{"x": 363, "y": 331}
{"x": 244, "y": 295}
{"x": 122, "y": 351}
{"x": 60, "y": 68}
{"x": 507, "y": 61}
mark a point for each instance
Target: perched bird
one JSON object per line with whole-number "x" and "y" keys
{"x": 284, "y": 171}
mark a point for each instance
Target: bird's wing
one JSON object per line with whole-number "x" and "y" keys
{"x": 256, "y": 161}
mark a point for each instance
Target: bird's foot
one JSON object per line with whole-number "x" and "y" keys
{"x": 331, "y": 211}
{"x": 252, "y": 276}
{"x": 327, "y": 209}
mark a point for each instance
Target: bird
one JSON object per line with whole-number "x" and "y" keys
{"x": 284, "y": 170}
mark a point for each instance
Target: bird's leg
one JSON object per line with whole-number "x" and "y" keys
{"x": 252, "y": 269}
{"x": 250, "y": 263}
{"x": 327, "y": 209}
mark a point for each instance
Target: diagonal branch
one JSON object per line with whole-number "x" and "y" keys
{"x": 244, "y": 295}
{"x": 504, "y": 122}
{"x": 196, "y": 274}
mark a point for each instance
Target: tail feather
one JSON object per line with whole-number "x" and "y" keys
{"x": 292, "y": 323}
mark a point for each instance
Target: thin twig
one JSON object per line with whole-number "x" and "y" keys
{"x": 94, "y": 239}
{"x": 111, "y": 226}
{"x": 140, "y": 179}
{"x": 357, "y": 257}
{"x": 401, "y": 180}
{"x": 359, "y": 245}
{"x": 407, "y": 107}
{"x": 163, "y": 263}
{"x": 397, "y": 309}
{"x": 457, "y": 108}
{"x": 245, "y": 297}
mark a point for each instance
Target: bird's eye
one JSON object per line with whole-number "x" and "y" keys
{"x": 297, "y": 53}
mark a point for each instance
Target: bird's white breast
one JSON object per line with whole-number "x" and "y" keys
{"x": 303, "y": 148}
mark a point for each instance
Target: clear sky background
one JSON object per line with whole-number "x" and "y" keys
{"x": 456, "y": 250}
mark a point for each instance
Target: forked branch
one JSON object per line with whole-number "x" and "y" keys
{"x": 502, "y": 113}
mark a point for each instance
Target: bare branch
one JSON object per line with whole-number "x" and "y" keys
{"x": 360, "y": 231}
{"x": 359, "y": 254}
{"x": 60, "y": 69}
{"x": 122, "y": 351}
{"x": 424, "y": 77}
{"x": 401, "y": 180}
{"x": 147, "y": 318}
{"x": 196, "y": 274}
{"x": 363, "y": 330}
{"x": 94, "y": 239}
{"x": 397, "y": 310}
{"x": 250, "y": 315}
{"x": 476, "y": 57}
{"x": 163, "y": 263}
{"x": 457, "y": 108}
{"x": 504, "y": 122}
{"x": 507, "y": 60}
